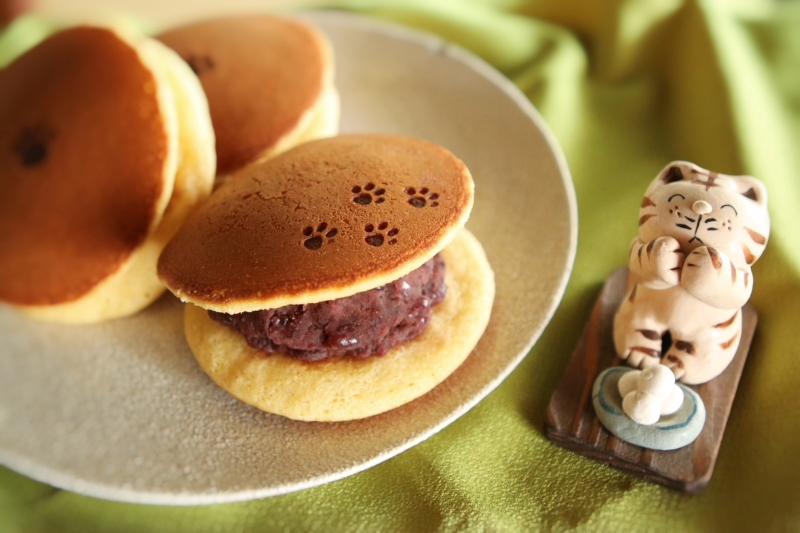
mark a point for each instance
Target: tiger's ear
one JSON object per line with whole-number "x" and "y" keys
{"x": 753, "y": 189}
{"x": 676, "y": 171}
{"x": 672, "y": 174}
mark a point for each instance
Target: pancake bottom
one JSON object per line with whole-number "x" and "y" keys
{"x": 348, "y": 389}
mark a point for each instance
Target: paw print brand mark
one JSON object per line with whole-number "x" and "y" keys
{"x": 316, "y": 238}
{"x": 377, "y": 238}
{"x": 200, "y": 64}
{"x": 367, "y": 194}
{"x": 32, "y": 145}
{"x": 419, "y": 198}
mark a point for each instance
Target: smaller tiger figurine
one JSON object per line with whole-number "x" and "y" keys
{"x": 699, "y": 234}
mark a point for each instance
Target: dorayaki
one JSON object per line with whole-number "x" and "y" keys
{"x": 269, "y": 82}
{"x": 295, "y": 269}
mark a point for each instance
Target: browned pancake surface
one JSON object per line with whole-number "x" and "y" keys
{"x": 260, "y": 73}
{"x": 82, "y": 152}
{"x": 326, "y": 216}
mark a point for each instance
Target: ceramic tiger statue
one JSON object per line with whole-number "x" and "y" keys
{"x": 699, "y": 234}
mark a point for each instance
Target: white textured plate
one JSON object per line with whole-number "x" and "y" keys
{"x": 121, "y": 410}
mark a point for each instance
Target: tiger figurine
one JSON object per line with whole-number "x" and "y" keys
{"x": 699, "y": 234}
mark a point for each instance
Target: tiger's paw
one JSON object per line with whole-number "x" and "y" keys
{"x": 661, "y": 261}
{"x": 708, "y": 275}
{"x": 675, "y": 363}
{"x": 639, "y": 358}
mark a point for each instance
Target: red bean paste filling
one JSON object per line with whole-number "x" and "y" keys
{"x": 363, "y": 325}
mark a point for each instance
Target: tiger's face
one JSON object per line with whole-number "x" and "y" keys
{"x": 702, "y": 208}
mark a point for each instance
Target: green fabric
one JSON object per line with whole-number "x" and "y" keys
{"x": 626, "y": 86}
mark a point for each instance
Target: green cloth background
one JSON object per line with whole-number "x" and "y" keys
{"x": 626, "y": 86}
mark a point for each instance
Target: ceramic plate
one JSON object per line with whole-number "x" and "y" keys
{"x": 121, "y": 410}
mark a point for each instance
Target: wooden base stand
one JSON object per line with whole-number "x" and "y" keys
{"x": 571, "y": 421}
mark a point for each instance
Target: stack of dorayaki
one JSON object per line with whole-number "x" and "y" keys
{"x": 326, "y": 279}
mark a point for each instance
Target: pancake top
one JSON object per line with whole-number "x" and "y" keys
{"x": 261, "y": 75}
{"x": 325, "y": 220}
{"x": 86, "y": 164}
